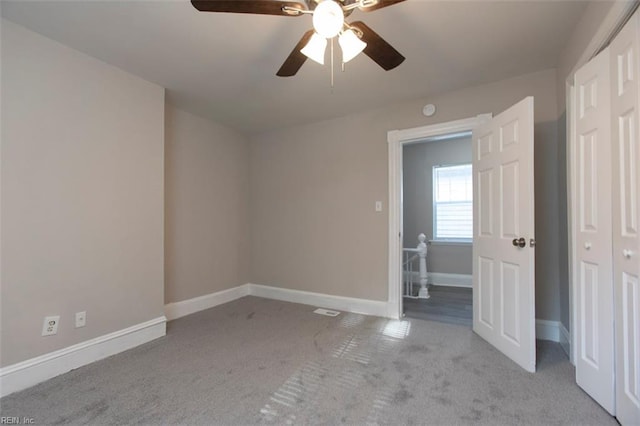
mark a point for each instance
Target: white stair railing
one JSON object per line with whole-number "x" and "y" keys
{"x": 409, "y": 256}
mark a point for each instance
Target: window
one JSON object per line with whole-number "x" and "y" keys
{"x": 453, "y": 203}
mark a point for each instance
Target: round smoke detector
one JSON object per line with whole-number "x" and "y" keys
{"x": 429, "y": 110}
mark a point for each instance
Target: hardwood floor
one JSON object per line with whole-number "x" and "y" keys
{"x": 452, "y": 305}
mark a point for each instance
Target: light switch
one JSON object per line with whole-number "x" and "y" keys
{"x": 378, "y": 206}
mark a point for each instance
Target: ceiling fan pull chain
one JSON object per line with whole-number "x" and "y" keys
{"x": 332, "y": 63}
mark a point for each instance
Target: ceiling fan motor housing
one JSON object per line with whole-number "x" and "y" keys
{"x": 328, "y": 18}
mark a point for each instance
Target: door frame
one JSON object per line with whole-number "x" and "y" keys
{"x": 396, "y": 140}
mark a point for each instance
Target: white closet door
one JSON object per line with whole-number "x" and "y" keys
{"x": 593, "y": 266}
{"x": 625, "y": 71}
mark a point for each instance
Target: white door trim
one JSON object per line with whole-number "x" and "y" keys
{"x": 571, "y": 249}
{"x": 396, "y": 140}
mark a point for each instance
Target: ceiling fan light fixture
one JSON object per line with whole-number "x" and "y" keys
{"x": 328, "y": 18}
{"x": 351, "y": 45}
{"x": 315, "y": 48}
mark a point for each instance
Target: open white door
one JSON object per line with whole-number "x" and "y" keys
{"x": 591, "y": 230}
{"x": 503, "y": 232}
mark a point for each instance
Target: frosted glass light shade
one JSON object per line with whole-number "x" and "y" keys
{"x": 351, "y": 45}
{"x": 328, "y": 18}
{"x": 315, "y": 48}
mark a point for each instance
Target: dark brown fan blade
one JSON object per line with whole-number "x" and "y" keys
{"x": 296, "y": 58}
{"x": 258, "y": 7}
{"x": 380, "y": 5}
{"x": 377, "y": 49}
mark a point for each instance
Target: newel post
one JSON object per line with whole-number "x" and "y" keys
{"x": 422, "y": 252}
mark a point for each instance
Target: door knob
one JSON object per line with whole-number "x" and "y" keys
{"x": 519, "y": 242}
{"x": 587, "y": 246}
{"x": 627, "y": 253}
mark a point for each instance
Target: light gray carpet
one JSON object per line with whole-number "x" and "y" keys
{"x": 258, "y": 361}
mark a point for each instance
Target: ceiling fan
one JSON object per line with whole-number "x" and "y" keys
{"x": 328, "y": 22}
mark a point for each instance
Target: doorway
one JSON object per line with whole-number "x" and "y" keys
{"x": 398, "y": 139}
{"x": 437, "y": 197}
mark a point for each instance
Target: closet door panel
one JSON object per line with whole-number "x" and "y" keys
{"x": 625, "y": 69}
{"x": 593, "y": 268}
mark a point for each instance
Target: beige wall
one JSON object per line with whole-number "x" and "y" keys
{"x": 417, "y": 197}
{"x": 206, "y": 206}
{"x": 81, "y": 188}
{"x": 313, "y": 224}
{"x": 313, "y": 189}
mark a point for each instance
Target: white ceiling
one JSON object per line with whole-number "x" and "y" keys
{"x": 222, "y": 66}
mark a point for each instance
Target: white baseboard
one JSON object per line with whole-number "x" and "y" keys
{"x": 565, "y": 339}
{"x": 445, "y": 279}
{"x": 27, "y": 373}
{"x": 554, "y": 331}
{"x": 337, "y": 303}
{"x": 449, "y": 280}
{"x": 548, "y": 330}
{"x": 197, "y": 304}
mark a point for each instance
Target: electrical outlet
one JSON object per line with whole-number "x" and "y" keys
{"x": 50, "y": 325}
{"x": 81, "y": 319}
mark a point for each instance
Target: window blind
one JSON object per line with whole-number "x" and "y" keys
{"x": 453, "y": 202}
